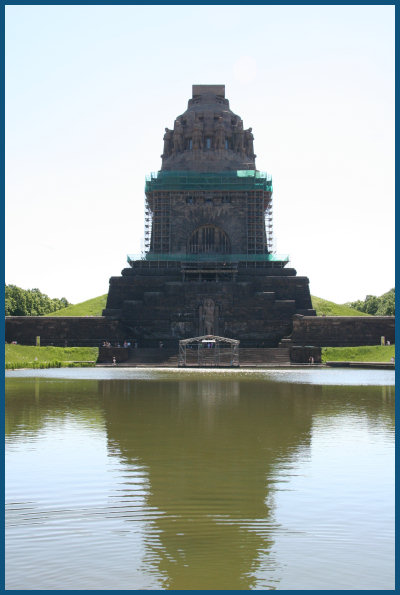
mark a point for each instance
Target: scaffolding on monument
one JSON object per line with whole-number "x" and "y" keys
{"x": 269, "y": 227}
{"x": 157, "y": 224}
{"x": 148, "y": 218}
{"x": 259, "y": 223}
{"x": 209, "y": 351}
{"x": 190, "y": 180}
{"x": 214, "y": 187}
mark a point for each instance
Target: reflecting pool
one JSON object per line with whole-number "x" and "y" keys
{"x": 187, "y": 479}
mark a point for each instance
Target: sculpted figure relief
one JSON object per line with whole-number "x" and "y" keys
{"x": 178, "y": 137}
{"x": 197, "y": 136}
{"x": 238, "y": 135}
{"x": 249, "y": 146}
{"x": 219, "y": 135}
{"x": 167, "y": 143}
{"x": 208, "y": 315}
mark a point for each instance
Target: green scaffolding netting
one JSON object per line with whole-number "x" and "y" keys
{"x": 189, "y": 180}
{"x": 228, "y": 258}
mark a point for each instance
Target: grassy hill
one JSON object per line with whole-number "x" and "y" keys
{"x": 324, "y": 307}
{"x": 93, "y": 307}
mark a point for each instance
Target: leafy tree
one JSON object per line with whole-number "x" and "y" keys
{"x": 377, "y": 306}
{"x": 30, "y": 302}
{"x": 371, "y": 304}
{"x": 387, "y": 304}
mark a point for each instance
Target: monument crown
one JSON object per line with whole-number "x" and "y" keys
{"x": 208, "y": 89}
{"x": 208, "y": 136}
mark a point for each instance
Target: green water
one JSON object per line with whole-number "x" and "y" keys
{"x": 146, "y": 479}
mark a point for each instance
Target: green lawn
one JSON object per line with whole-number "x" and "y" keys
{"x": 20, "y": 355}
{"x": 93, "y": 307}
{"x": 365, "y": 353}
{"x": 331, "y": 309}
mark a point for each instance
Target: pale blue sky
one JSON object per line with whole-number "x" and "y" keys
{"x": 90, "y": 89}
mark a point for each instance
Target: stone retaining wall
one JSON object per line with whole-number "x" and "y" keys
{"x": 342, "y": 331}
{"x": 80, "y": 331}
{"x": 73, "y": 331}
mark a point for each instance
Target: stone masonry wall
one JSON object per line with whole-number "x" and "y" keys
{"x": 185, "y": 218}
{"x": 322, "y": 331}
{"x": 256, "y": 309}
{"x": 342, "y": 331}
{"x": 78, "y": 331}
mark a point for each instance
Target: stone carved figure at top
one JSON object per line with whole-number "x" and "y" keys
{"x": 167, "y": 143}
{"x": 249, "y": 139}
{"x": 178, "y": 137}
{"x": 208, "y": 123}
{"x": 208, "y": 315}
{"x": 238, "y": 137}
{"x": 197, "y": 135}
{"x": 219, "y": 135}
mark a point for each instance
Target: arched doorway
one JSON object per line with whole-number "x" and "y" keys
{"x": 209, "y": 239}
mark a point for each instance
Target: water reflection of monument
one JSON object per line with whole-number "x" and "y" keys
{"x": 199, "y": 462}
{"x": 211, "y": 454}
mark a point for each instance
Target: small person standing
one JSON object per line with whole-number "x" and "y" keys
{"x": 114, "y": 361}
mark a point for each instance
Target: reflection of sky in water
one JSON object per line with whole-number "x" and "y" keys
{"x": 348, "y": 469}
{"x": 321, "y": 376}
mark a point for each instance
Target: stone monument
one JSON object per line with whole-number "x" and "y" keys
{"x": 208, "y": 265}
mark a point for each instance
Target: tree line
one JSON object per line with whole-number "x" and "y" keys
{"x": 377, "y": 306}
{"x": 31, "y": 302}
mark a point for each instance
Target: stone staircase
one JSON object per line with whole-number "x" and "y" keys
{"x": 248, "y": 358}
{"x": 264, "y": 356}
{"x": 152, "y": 356}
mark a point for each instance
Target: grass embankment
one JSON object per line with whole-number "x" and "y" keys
{"x": 365, "y": 353}
{"x": 93, "y": 307}
{"x": 26, "y": 356}
{"x": 324, "y": 307}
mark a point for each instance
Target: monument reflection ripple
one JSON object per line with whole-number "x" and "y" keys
{"x": 196, "y": 464}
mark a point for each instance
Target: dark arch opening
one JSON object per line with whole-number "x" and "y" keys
{"x": 209, "y": 239}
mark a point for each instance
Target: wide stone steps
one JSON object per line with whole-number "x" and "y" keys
{"x": 264, "y": 356}
{"x": 153, "y": 356}
{"x": 247, "y": 357}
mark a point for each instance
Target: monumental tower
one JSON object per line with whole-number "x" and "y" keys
{"x": 208, "y": 265}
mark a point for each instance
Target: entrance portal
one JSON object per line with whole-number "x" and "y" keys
{"x": 209, "y": 239}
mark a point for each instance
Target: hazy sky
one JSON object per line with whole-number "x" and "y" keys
{"x": 90, "y": 89}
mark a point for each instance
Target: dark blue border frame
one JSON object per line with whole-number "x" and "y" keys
{"x": 124, "y": 2}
